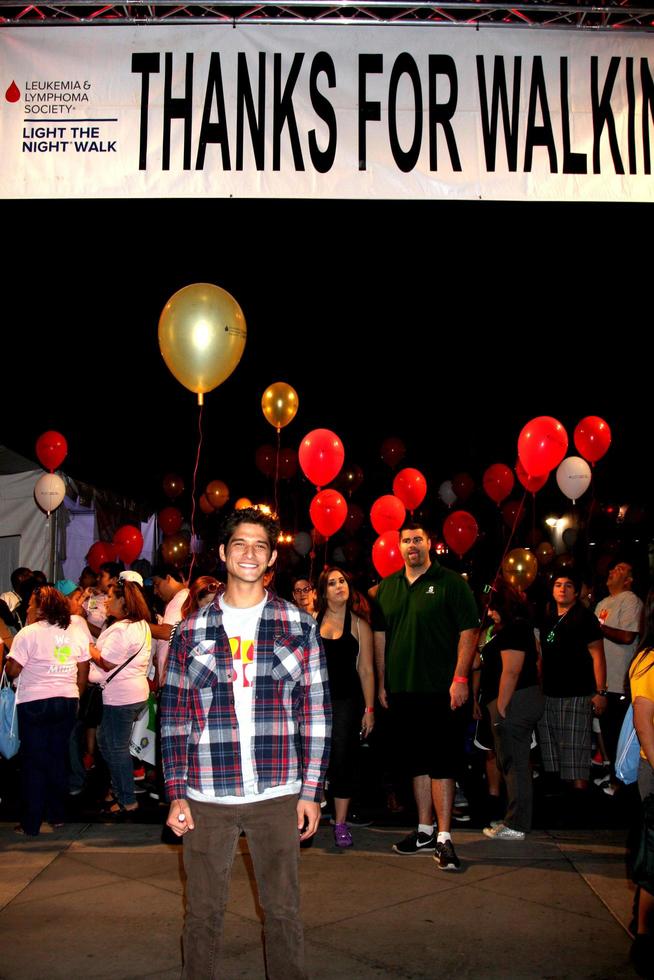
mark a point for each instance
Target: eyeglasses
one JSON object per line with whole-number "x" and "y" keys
{"x": 305, "y": 591}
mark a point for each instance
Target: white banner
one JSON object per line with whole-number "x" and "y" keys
{"x": 326, "y": 112}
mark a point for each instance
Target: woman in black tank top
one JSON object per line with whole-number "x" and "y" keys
{"x": 347, "y": 640}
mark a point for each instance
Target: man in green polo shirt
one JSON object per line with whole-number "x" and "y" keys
{"x": 431, "y": 624}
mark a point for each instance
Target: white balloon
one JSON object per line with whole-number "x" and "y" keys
{"x": 446, "y": 493}
{"x": 302, "y": 543}
{"x": 573, "y": 477}
{"x": 49, "y": 491}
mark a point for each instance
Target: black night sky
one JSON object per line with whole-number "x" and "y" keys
{"x": 449, "y": 325}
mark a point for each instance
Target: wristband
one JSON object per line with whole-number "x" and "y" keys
{"x": 602, "y": 694}
{"x": 369, "y": 711}
{"x": 460, "y": 680}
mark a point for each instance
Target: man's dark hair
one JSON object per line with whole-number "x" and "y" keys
{"x": 411, "y": 525}
{"x": 573, "y": 576}
{"x": 112, "y": 568}
{"x": 250, "y": 515}
{"x": 18, "y": 576}
{"x": 163, "y": 571}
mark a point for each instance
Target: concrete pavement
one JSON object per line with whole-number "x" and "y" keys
{"x": 103, "y": 901}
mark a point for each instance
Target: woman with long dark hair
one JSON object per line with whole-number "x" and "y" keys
{"x": 122, "y": 658}
{"x": 51, "y": 658}
{"x": 511, "y": 692}
{"x": 347, "y": 639}
{"x": 641, "y": 679}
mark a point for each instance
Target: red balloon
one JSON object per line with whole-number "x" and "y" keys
{"x": 393, "y": 451}
{"x": 328, "y": 511}
{"x": 463, "y": 485}
{"x": 498, "y": 482}
{"x": 51, "y": 449}
{"x": 321, "y": 456}
{"x": 542, "y": 444}
{"x": 386, "y": 555}
{"x": 513, "y": 512}
{"x": 411, "y": 487}
{"x": 531, "y": 483}
{"x": 170, "y": 520}
{"x": 460, "y": 531}
{"x": 354, "y": 519}
{"x": 265, "y": 460}
{"x": 99, "y": 553}
{"x": 592, "y": 438}
{"x": 287, "y": 463}
{"x": 129, "y": 543}
{"x": 173, "y": 485}
{"x": 387, "y": 514}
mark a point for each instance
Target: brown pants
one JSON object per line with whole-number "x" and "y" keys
{"x": 273, "y": 841}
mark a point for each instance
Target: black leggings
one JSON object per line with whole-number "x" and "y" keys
{"x": 344, "y": 756}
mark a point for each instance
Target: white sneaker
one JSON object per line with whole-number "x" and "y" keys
{"x": 501, "y": 832}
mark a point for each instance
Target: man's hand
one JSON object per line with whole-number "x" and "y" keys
{"x": 310, "y": 813}
{"x": 383, "y": 697}
{"x": 458, "y": 694}
{"x": 599, "y": 703}
{"x": 180, "y": 818}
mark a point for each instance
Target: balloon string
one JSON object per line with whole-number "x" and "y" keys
{"x": 510, "y": 538}
{"x": 194, "y": 487}
{"x": 279, "y": 439}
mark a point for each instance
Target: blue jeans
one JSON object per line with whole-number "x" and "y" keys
{"x": 113, "y": 741}
{"x": 44, "y": 727}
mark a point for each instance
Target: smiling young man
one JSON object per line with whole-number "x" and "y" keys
{"x": 245, "y": 725}
{"x": 431, "y": 624}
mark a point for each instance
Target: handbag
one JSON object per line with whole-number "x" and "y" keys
{"x": 143, "y": 740}
{"x": 627, "y": 758}
{"x": 9, "y": 741}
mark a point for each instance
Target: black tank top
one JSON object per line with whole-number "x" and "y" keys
{"x": 342, "y": 662}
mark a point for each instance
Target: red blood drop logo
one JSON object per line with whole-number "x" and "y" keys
{"x": 13, "y": 93}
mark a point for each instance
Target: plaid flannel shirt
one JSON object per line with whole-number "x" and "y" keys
{"x": 291, "y": 706}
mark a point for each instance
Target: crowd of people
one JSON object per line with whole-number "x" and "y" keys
{"x": 417, "y": 659}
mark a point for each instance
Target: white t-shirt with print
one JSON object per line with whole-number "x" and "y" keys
{"x": 49, "y": 656}
{"x": 241, "y": 626}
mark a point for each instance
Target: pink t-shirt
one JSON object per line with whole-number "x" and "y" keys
{"x": 117, "y": 644}
{"x": 49, "y": 656}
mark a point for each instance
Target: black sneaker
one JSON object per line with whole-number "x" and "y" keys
{"x": 461, "y": 814}
{"x": 416, "y": 843}
{"x": 445, "y": 857}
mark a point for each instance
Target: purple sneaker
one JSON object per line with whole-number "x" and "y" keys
{"x": 342, "y": 835}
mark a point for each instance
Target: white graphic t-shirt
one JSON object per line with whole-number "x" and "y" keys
{"x": 49, "y": 656}
{"x": 241, "y": 626}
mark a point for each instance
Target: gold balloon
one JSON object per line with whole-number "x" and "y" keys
{"x": 205, "y": 504}
{"x": 202, "y": 336}
{"x": 280, "y": 404}
{"x": 242, "y": 503}
{"x": 519, "y": 568}
{"x": 175, "y": 549}
{"x": 217, "y": 493}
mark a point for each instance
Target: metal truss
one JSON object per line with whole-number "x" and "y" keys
{"x": 537, "y": 13}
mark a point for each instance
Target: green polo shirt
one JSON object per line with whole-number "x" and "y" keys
{"x": 423, "y": 620}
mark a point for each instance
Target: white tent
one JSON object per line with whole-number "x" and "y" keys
{"x": 56, "y": 545}
{"x": 26, "y": 534}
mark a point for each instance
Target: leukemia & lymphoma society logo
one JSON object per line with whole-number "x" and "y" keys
{"x": 50, "y": 96}
{"x": 13, "y": 93}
